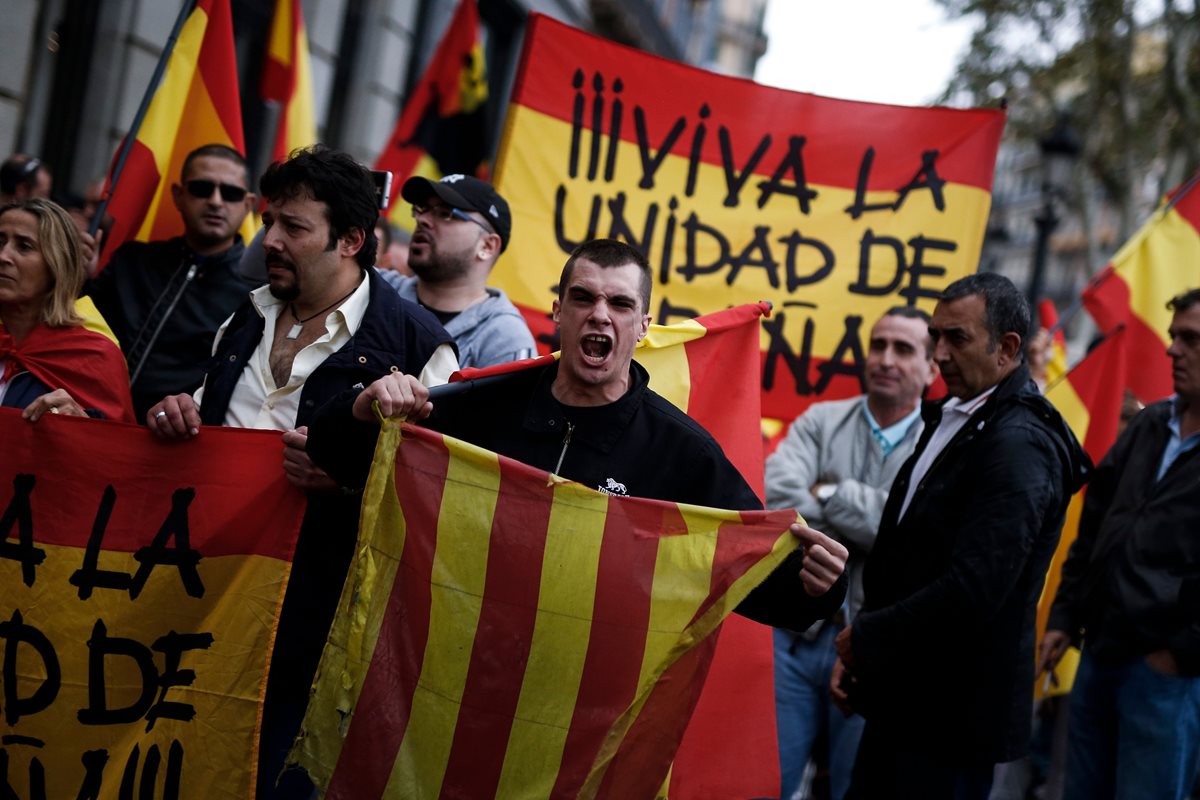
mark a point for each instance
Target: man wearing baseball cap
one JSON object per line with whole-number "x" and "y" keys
{"x": 462, "y": 227}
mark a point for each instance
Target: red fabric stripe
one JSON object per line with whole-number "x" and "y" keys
{"x": 739, "y": 549}
{"x": 386, "y": 701}
{"x": 1093, "y": 380}
{"x": 641, "y": 763}
{"x": 621, "y": 614}
{"x": 838, "y": 132}
{"x": 1188, "y": 205}
{"x": 725, "y": 394}
{"x": 217, "y": 66}
{"x": 278, "y": 77}
{"x": 503, "y": 634}
{"x": 241, "y": 502}
{"x": 132, "y": 197}
{"x": 1107, "y": 299}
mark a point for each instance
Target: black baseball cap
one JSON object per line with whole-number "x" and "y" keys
{"x": 467, "y": 194}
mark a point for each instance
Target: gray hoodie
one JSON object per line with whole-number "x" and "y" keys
{"x": 489, "y": 332}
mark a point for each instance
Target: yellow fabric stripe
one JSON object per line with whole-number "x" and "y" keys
{"x": 161, "y": 124}
{"x": 458, "y": 578}
{"x": 560, "y": 643}
{"x": 1064, "y": 397}
{"x": 355, "y": 629}
{"x": 688, "y": 638}
{"x": 1161, "y": 260}
{"x": 301, "y": 122}
{"x": 664, "y": 356}
{"x": 93, "y": 320}
{"x": 279, "y": 47}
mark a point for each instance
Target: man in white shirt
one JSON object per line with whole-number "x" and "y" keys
{"x": 325, "y": 323}
{"x": 940, "y": 659}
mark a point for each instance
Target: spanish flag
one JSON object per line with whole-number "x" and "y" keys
{"x": 834, "y": 211}
{"x": 593, "y": 680}
{"x": 1160, "y": 261}
{"x": 287, "y": 80}
{"x": 196, "y": 103}
{"x": 1056, "y": 365}
{"x": 442, "y": 129}
{"x": 1089, "y": 400}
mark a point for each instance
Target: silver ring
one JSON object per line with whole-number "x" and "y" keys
{"x": 53, "y": 410}
{"x": 160, "y": 415}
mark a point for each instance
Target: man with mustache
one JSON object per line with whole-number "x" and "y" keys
{"x": 323, "y": 324}
{"x": 164, "y": 300}
{"x": 940, "y": 658}
{"x": 462, "y": 227}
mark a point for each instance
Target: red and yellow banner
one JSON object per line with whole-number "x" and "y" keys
{"x": 1160, "y": 261}
{"x": 442, "y": 129}
{"x": 287, "y": 80}
{"x": 832, "y": 210}
{"x": 507, "y": 633}
{"x": 1089, "y": 400}
{"x": 138, "y": 603}
{"x": 197, "y": 103}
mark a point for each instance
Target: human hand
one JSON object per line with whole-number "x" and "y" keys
{"x": 844, "y": 645}
{"x": 91, "y": 250}
{"x": 56, "y": 402}
{"x": 841, "y": 682}
{"x": 176, "y": 417}
{"x": 399, "y": 395}
{"x": 1051, "y": 649}
{"x": 824, "y": 560}
{"x": 300, "y": 470}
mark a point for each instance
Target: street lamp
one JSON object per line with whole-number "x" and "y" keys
{"x": 1059, "y": 151}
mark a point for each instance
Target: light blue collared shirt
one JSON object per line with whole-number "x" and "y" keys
{"x": 890, "y": 436}
{"x": 1176, "y": 445}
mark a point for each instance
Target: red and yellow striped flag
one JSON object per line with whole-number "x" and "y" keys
{"x": 442, "y": 129}
{"x": 506, "y": 633}
{"x": 1056, "y": 365}
{"x": 1160, "y": 261}
{"x": 832, "y": 210}
{"x": 1089, "y": 399}
{"x": 287, "y": 80}
{"x": 197, "y": 103}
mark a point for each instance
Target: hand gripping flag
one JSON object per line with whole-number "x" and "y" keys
{"x": 196, "y": 103}
{"x": 1160, "y": 261}
{"x": 287, "y": 80}
{"x": 1089, "y": 399}
{"x": 442, "y": 129}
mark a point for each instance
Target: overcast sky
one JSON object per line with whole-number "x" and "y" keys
{"x": 895, "y": 51}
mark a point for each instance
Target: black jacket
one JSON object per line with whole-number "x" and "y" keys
{"x": 1132, "y": 578}
{"x": 393, "y": 335}
{"x": 151, "y": 284}
{"x": 944, "y": 646}
{"x": 640, "y": 446}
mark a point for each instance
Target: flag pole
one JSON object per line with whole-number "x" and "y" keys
{"x": 160, "y": 69}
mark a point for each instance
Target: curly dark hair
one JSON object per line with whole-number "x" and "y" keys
{"x": 334, "y": 178}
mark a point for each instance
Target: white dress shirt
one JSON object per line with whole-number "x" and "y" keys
{"x": 955, "y": 413}
{"x": 258, "y": 403}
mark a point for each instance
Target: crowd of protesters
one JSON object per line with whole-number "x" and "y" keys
{"x": 905, "y": 621}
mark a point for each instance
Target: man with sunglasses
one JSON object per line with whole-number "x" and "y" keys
{"x": 165, "y": 300}
{"x": 462, "y": 227}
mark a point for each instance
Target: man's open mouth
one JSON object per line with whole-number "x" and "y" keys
{"x": 595, "y": 347}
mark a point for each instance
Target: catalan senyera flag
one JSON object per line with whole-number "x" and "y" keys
{"x": 1160, "y": 261}
{"x": 287, "y": 80}
{"x": 197, "y": 103}
{"x": 735, "y": 707}
{"x": 442, "y": 129}
{"x": 518, "y": 635}
{"x": 832, "y": 210}
{"x": 1089, "y": 399}
{"x": 140, "y": 585}
{"x": 1056, "y": 365}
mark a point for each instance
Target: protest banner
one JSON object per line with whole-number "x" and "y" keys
{"x": 831, "y": 210}
{"x": 140, "y": 584}
{"x": 507, "y": 633}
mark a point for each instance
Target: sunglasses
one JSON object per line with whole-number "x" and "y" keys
{"x": 447, "y": 213}
{"x": 204, "y": 190}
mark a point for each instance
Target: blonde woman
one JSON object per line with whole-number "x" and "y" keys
{"x": 49, "y": 363}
